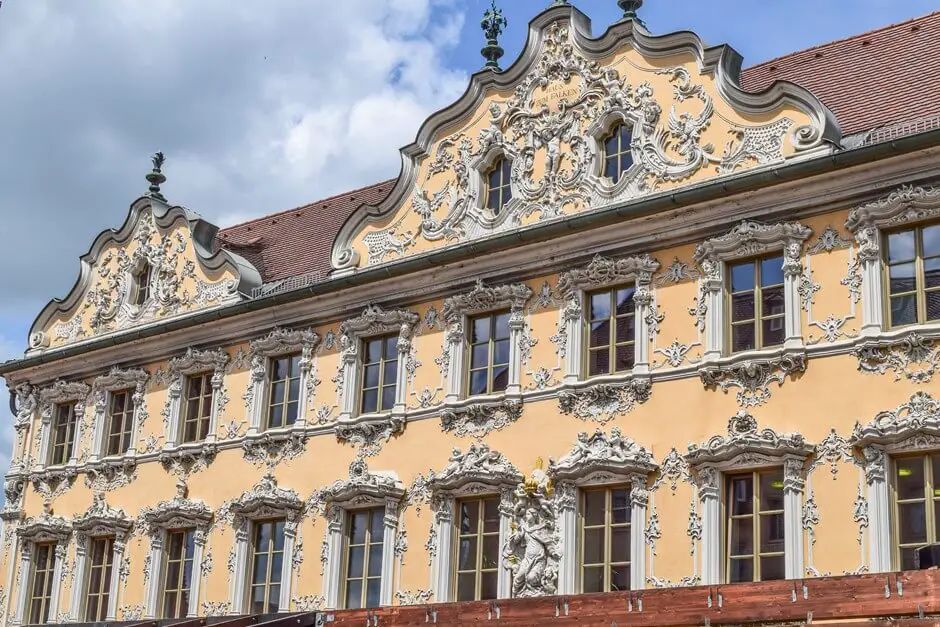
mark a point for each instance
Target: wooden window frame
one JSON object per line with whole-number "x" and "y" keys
{"x": 267, "y": 584}
{"x": 608, "y": 526}
{"x": 619, "y": 156}
{"x": 612, "y": 343}
{"x": 759, "y": 317}
{"x": 46, "y": 571}
{"x": 491, "y": 352}
{"x": 105, "y": 571}
{"x": 505, "y": 183}
{"x": 479, "y": 534}
{"x": 126, "y": 432}
{"x": 71, "y": 426}
{"x": 382, "y": 363}
{"x": 929, "y": 499}
{"x": 367, "y": 546}
{"x": 142, "y": 278}
{"x": 920, "y": 290}
{"x": 283, "y": 406}
{"x": 203, "y": 419}
{"x": 185, "y": 560}
{"x": 755, "y": 515}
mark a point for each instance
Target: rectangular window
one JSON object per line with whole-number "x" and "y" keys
{"x": 917, "y": 504}
{"x": 63, "y": 434}
{"x": 756, "y": 304}
{"x": 755, "y": 526}
{"x": 605, "y": 539}
{"x": 267, "y": 558}
{"x": 99, "y": 578}
{"x": 912, "y": 266}
{"x": 198, "y": 407}
{"x": 489, "y": 354}
{"x": 178, "y": 574}
{"x": 363, "y": 579}
{"x": 611, "y": 319}
{"x": 122, "y": 421}
{"x": 379, "y": 374}
{"x": 477, "y": 548}
{"x": 283, "y": 390}
{"x": 40, "y": 587}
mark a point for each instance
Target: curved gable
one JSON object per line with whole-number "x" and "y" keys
{"x": 548, "y": 115}
{"x": 185, "y": 275}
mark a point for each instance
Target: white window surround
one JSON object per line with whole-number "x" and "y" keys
{"x": 263, "y": 501}
{"x": 277, "y": 343}
{"x": 903, "y": 206}
{"x": 601, "y": 460}
{"x": 482, "y": 300}
{"x": 748, "y": 448}
{"x": 750, "y": 239}
{"x": 912, "y": 427}
{"x": 178, "y": 513}
{"x": 477, "y": 473}
{"x": 45, "y": 528}
{"x": 604, "y": 273}
{"x": 493, "y": 148}
{"x": 60, "y": 393}
{"x": 194, "y": 362}
{"x": 597, "y": 134}
{"x": 362, "y": 490}
{"x": 115, "y": 381}
{"x": 100, "y": 520}
{"x": 374, "y": 321}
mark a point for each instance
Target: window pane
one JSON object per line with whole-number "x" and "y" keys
{"x": 479, "y": 356}
{"x": 501, "y": 352}
{"x": 490, "y": 551}
{"x": 490, "y": 515}
{"x": 742, "y": 536}
{"x": 370, "y": 376}
{"x": 594, "y": 546}
{"x": 612, "y": 169}
{"x": 931, "y": 240}
{"x": 771, "y": 533}
{"x": 469, "y": 515}
{"x": 375, "y": 560}
{"x": 354, "y": 594}
{"x": 619, "y": 578}
{"x": 773, "y": 330}
{"x": 742, "y": 570}
{"x": 625, "y": 329}
{"x": 358, "y": 523}
{"x": 599, "y": 362}
{"x": 377, "y": 519}
{"x": 910, "y": 478}
{"x": 912, "y": 523}
{"x": 903, "y": 310}
{"x": 772, "y": 301}
{"x": 594, "y": 506}
{"x": 480, "y": 330}
{"x": 742, "y": 277}
{"x": 478, "y": 382}
{"x": 772, "y": 568}
{"x": 620, "y": 544}
{"x": 901, "y": 278}
{"x": 259, "y": 573}
{"x": 373, "y": 593}
{"x": 467, "y": 553}
{"x": 388, "y": 397}
{"x": 742, "y": 496}
{"x": 487, "y": 586}
{"x": 771, "y": 491}
{"x": 600, "y": 333}
{"x": 600, "y": 306}
{"x": 932, "y": 305}
{"x": 742, "y": 307}
{"x": 593, "y": 579}
{"x": 492, "y": 199}
{"x": 502, "y": 326}
{"x": 294, "y": 390}
{"x": 932, "y": 272}
{"x": 771, "y": 271}
{"x": 611, "y": 145}
{"x": 625, "y": 357}
{"x": 743, "y": 337}
{"x": 466, "y": 586}
{"x": 373, "y": 350}
{"x": 901, "y": 246}
{"x": 624, "y": 300}
{"x": 356, "y": 561}
{"x": 907, "y": 558}
{"x": 620, "y": 506}
{"x": 500, "y": 378}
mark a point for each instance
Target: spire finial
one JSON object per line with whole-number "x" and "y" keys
{"x": 493, "y": 24}
{"x": 156, "y": 177}
{"x": 630, "y": 7}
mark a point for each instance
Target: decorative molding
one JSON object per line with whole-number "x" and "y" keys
{"x": 272, "y": 448}
{"x": 182, "y": 462}
{"x": 904, "y": 205}
{"x": 912, "y": 357}
{"x": 101, "y": 519}
{"x": 604, "y": 272}
{"x": 753, "y": 377}
{"x": 369, "y": 434}
{"x": 810, "y": 517}
{"x": 110, "y": 473}
{"x": 193, "y": 362}
{"x": 600, "y": 453}
{"x": 417, "y": 597}
{"x": 308, "y": 603}
{"x": 117, "y": 380}
{"x": 673, "y": 469}
{"x": 264, "y": 500}
{"x": 482, "y": 299}
{"x": 677, "y": 272}
{"x": 478, "y": 420}
{"x": 832, "y": 450}
{"x": 753, "y": 238}
{"x": 532, "y": 549}
{"x": 746, "y": 444}
{"x": 478, "y": 466}
{"x": 44, "y": 528}
{"x": 602, "y": 402}
{"x": 914, "y": 425}
{"x": 829, "y": 240}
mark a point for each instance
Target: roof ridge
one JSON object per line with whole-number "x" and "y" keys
{"x": 835, "y": 42}
{"x": 328, "y": 199}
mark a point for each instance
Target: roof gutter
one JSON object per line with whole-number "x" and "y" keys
{"x": 579, "y": 222}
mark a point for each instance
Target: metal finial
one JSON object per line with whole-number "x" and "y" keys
{"x": 630, "y": 7}
{"x": 493, "y": 24}
{"x": 156, "y": 177}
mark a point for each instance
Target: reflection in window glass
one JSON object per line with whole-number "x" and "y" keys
{"x": 611, "y": 319}
{"x": 489, "y": 354}
{"x": 363, "y": 580}
{"x": 605, "y": 539}
{"x": 755, "y": 531}
{"x": 912, "y": 268}
{"x": 267, "y": 559}
{"x": 283, "y": 390}
{"x": 917, "y": 505}
{"x": 379, "y": 374}
{"x": 756, "y": 304}
{"x": 498, "y": 188}
{"x": 180, "y": 548}
{"x": 477, "y": 548}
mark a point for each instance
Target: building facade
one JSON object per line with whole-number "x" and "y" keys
{"x": 620, "y": 323}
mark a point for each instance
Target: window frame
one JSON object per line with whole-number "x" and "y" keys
{"x": 49, "y": 588}
{"x": 142, "y": 278}
{"x": 612, "y": 318}
{"x": 189, "y": 540}
{"x": 106, "y": 570}
{"x": 128, "y": 414}
{"x": 758, "y": 318}
{"x": 367, "y": 545}
{"x": 270, "y": 382}
{"x": 205, "y": 404}
{"x": 490, "y": 359}
{"x": 615, "y": 132}
{"x": 479, "y": 534}
{"x": 382, "y": 363}
{"x": 501, "y": 165}
{"x": 930, "y": 497}
{"x": 250, "y": 583}
{"x": 608, "y": 526}
{"x": 71, "y": 429}
{"x": 920, "y": 290}
{"x": 756, "y": 554}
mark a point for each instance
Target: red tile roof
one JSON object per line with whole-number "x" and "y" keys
{"x": 881, "y": 77}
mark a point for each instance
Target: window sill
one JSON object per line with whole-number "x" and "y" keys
{"x": 478, "y": 416}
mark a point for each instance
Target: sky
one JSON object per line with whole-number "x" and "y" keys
{"x": 263, "y": 106}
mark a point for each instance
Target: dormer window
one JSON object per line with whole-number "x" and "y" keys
{"x": 142, "y": 284}
{"x": 618, "y": 157}
{"x": 498, "y": 190}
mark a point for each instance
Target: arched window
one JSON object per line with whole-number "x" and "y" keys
{"x": 617, "y": 155}
{"x": 498, "y": 191}
{"x": 142, "y": 284}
